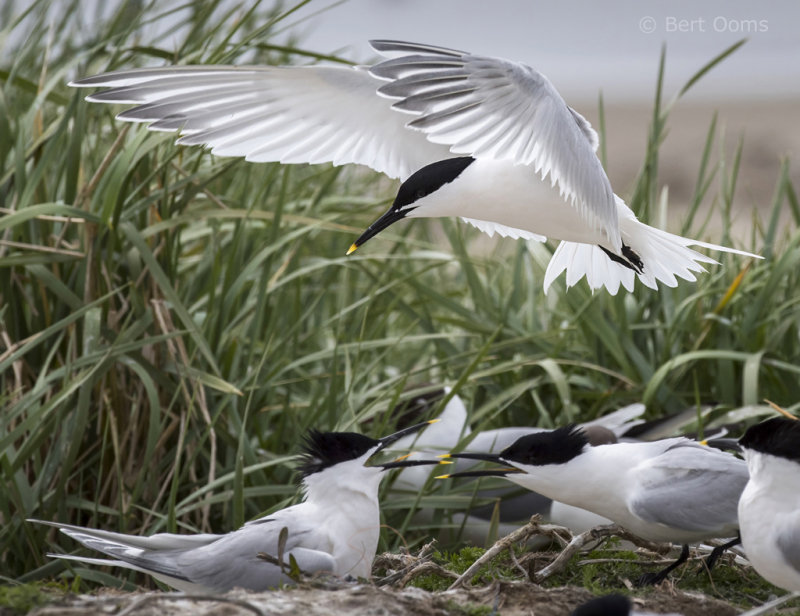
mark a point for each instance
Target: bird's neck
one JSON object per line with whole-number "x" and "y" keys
{"x": 351, "y": 511}
{"x": 770, "y": 472}
{"x": 327, "y": 489}
{"x": 576, "y": 483}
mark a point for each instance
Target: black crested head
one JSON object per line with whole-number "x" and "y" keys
{"x": 779, "y": 436}
{"x": 322, "y": 450}
{"x": 609, "y": 605}
{"x": 420, "y": 184}
{"x": 429, "y": 179}
{"x": 549, "y": 447}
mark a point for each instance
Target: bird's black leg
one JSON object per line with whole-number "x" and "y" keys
{"x": 648, "y": 579}
{"x": 717, "y": 551}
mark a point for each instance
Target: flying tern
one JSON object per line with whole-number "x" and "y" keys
{"x": 674, "y": 490}
{"x": 335, "y": 529}
{"x": 468, "y": 135}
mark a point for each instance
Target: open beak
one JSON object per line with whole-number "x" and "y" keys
{"x": 488, "y": 457}
{"x": 406, "y": 463}
{"x": 731, "y": 444}
{"x": 388, "y": 440}
{"x": 494, "y": 472}
{"x": 390, "y": 217}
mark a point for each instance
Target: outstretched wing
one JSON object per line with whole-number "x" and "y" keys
{"x": 300, "y": 114}
{"x": 493, "y": 108}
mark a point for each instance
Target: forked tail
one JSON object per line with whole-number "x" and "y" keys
{"x": 662, "y": 256}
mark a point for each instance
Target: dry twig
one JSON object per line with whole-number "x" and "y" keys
{"x": 590, "y": 535}
{"x": 533, "y": 527}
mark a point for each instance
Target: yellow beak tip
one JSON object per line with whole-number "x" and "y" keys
{"x": 352, "y": 249}
{"x": 444, "y": 455}
{"x": 432, "y": 421}
{"x": 446, "y": 462}
{"x": 442, "y": 477}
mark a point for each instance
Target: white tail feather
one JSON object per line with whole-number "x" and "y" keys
{"x": 666, "y": 257}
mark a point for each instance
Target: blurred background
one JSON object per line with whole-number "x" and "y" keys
{"x": 171, "y": 322}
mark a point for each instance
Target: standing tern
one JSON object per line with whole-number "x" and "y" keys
{"x": 769, "y": 510}
{"x": 468, "y": 135}
{"x": 335, "y": 529}
{"x": 674, "y": 490}
{"x": 453, "y": 428}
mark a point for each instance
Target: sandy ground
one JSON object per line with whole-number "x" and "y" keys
{"x": 507, "y": 598}
{"x": 770, "y": 132}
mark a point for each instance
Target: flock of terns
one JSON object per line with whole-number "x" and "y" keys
{"x": 475, "y": 137}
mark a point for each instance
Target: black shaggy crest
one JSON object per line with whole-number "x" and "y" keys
{"x": 550, "y": 447}
{"x": 778, "y": 436}
{"x": 430, "y": 179}
{"x": 322, "y": 450}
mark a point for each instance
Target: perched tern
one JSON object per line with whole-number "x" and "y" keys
{"x": 674, "y": 490}
{"x": 769, "y": 509}
{"x": 468, "y": 135}
{"x": 335, "y": 529}
{"x": 453, "y": 428}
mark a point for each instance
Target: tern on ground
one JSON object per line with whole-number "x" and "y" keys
{"x": 468, "y": 135}
{"x": 509, "y": 502}
{"x": 674, "y": 490}
{"x": 769, "y": 510}
{"x": 335, "y": 529}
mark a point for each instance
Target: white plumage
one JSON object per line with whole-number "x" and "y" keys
{"x": 769, "y": 509}
{"x": 421, "y": 106}
{"x": 335, "y": 529}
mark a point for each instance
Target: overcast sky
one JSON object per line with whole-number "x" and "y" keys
{"x": 582, "y": 46}
{"x": 587, "y": 46}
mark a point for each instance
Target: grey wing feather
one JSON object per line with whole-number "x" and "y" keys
{"x": 160, "y": 541}
{"x": 691, "y": 487}
{"x": 211, "y": 562}
{"x": 493, "y": 108}
{"x": 233, "y": 560}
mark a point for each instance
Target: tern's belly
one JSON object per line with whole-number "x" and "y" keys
{"x": 515, "y": 196}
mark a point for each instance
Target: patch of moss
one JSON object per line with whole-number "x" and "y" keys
{"x": 458, "y": 562}
{"x": 735, "y": 584}
{"x": 22, "y": 598}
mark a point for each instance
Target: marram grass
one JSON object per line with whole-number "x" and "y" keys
{"x": 171, "y": 322}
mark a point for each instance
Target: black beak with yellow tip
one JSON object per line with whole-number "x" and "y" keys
{"x": 392, "y": 216}
{"x": 402, "y": 461}
{"x": 489, "y": 472}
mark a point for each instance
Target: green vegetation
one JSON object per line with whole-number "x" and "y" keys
{"x": 22, "y": 598}
{"x": 172, "y": 322}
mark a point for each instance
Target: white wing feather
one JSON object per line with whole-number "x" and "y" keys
{"x": 490, "y": 228}
{"x": 309, "y": 114}
{"x": 502, "y": 110}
